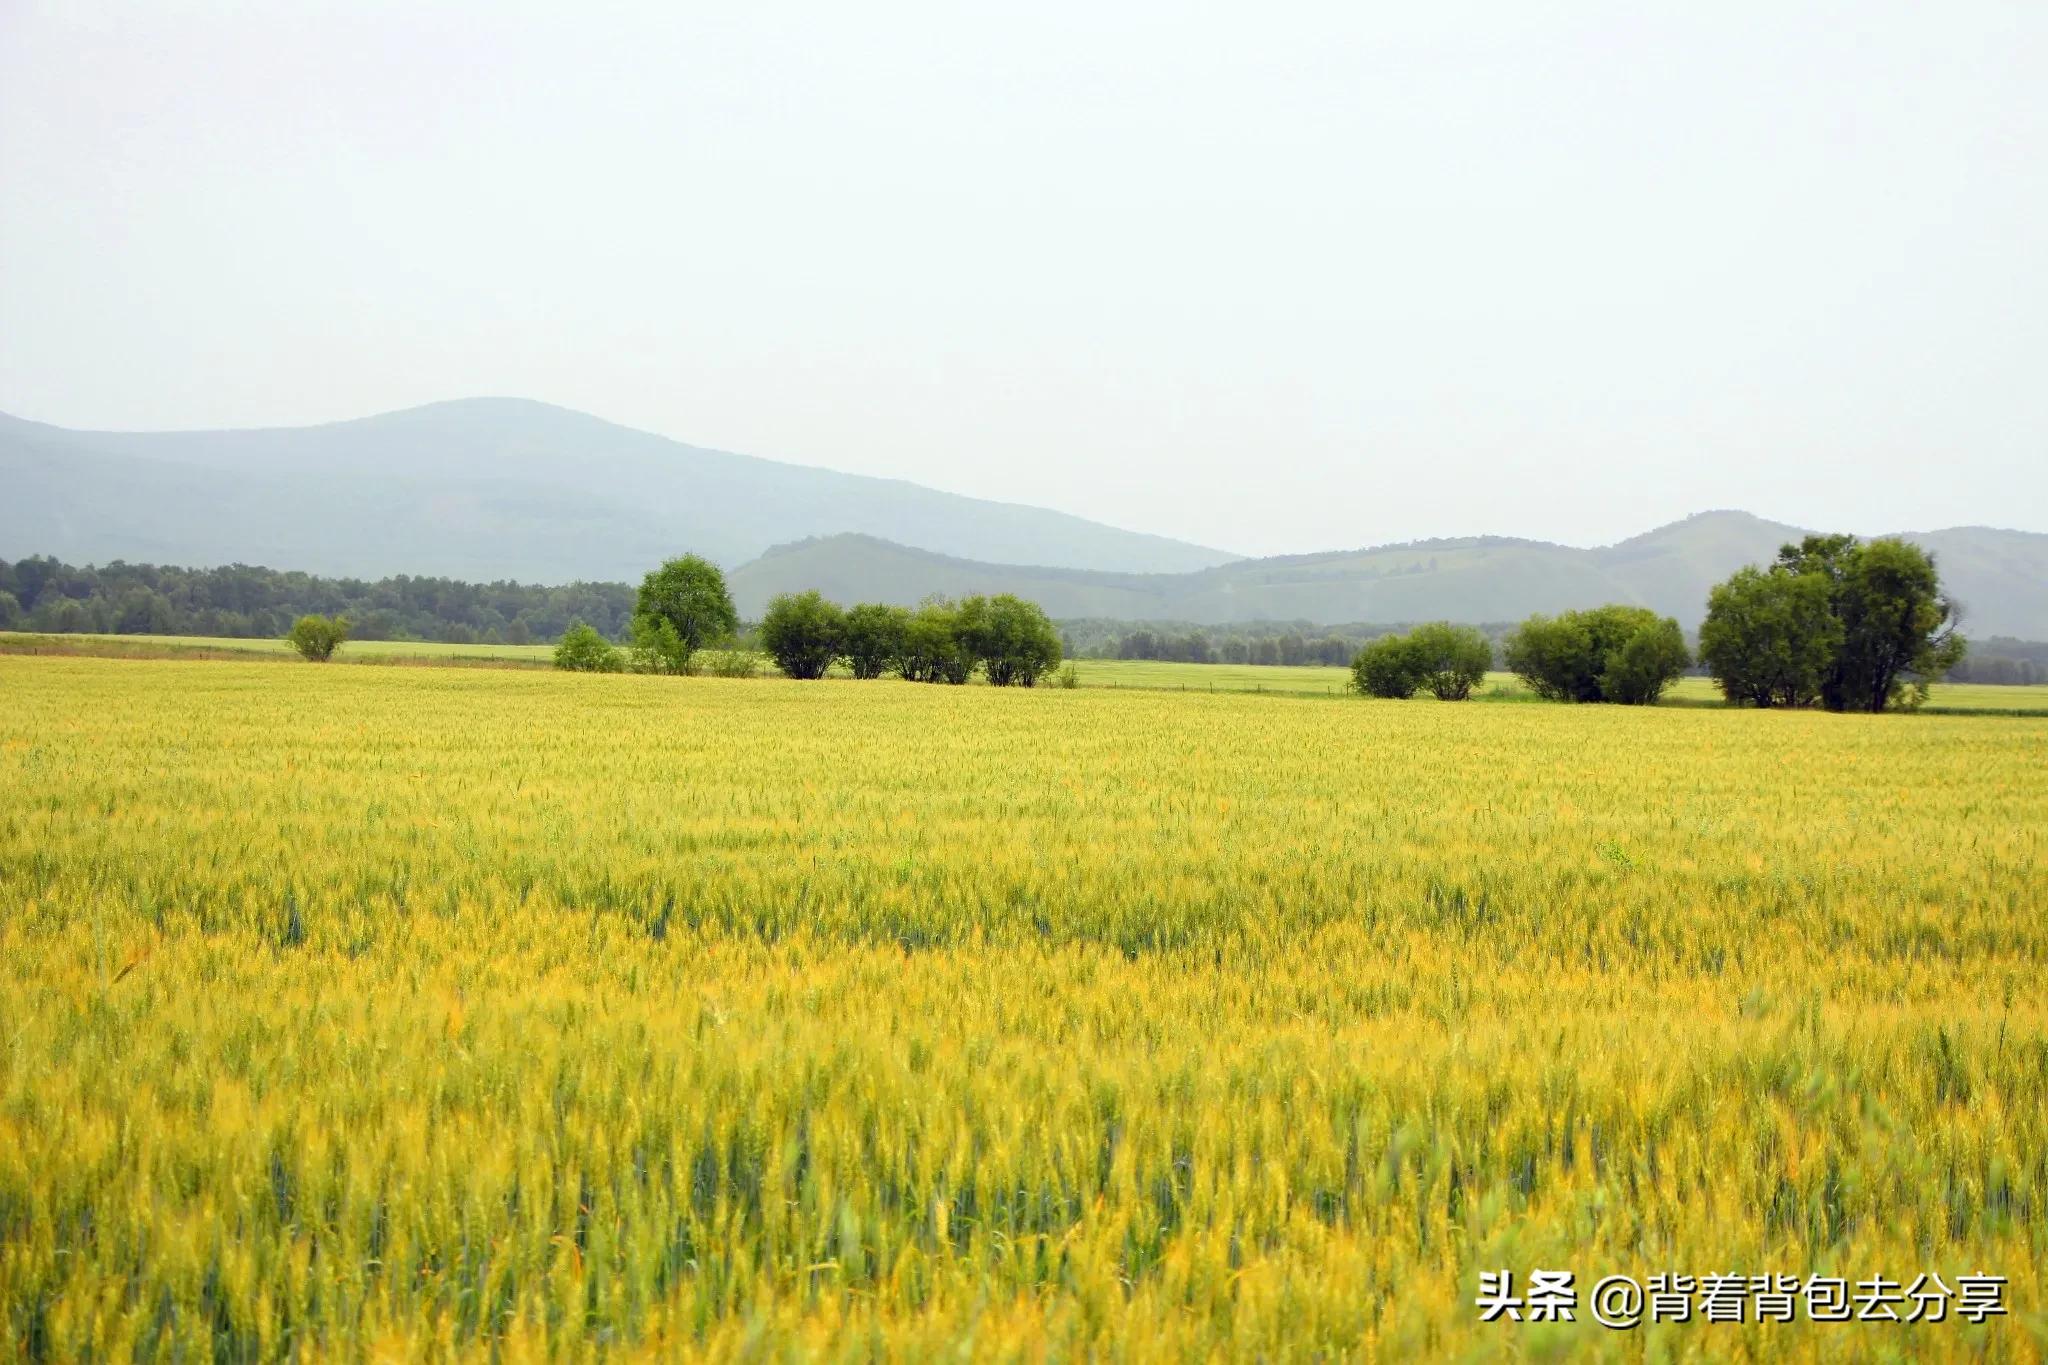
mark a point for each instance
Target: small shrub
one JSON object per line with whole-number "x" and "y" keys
{"x": 658, "y": 647}
{"x": 317, "y": 637}
{"x": 729, "y": 661}
{"x": 583, "y": 650}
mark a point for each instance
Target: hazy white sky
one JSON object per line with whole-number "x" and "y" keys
{"x": 1274, "y": 278}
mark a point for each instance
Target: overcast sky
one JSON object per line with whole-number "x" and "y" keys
{"x": 1272, "y": 278}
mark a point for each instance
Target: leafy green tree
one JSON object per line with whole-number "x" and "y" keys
{"x": 683, "y": 606}
{"x": 657, "y": 647}
{"x": 872, "y": 639}
{"x": 1648, "y": 661}
{"x": 66, "y": 616}
{"x": 1012, "y": 639}
{"x": 1386, "y": 667}
{"x": 1771, "y": 636}
{"x": 932, "y": 647}
{"x": 1450, "y": 660}
{"x": 317, "y": 637}
{"x": 1556, "y": 657}
{"x": 11, "y": 614}
{"x": 803, "y": 633}
{"x": 583, "y": 650}
{"x": 1895, "y": 620}
{"x": 1596, "y": 655}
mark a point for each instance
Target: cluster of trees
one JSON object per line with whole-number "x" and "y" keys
{"x": 1847, "y": 624}
{"x": 681, "y": 607}
{"x": 1009, "y": 639}
{"x": 681, "y": 610}
{"x": 1200, "y": 646}
{"x": 1834, "y": 621}
{"x": 684, "y": 607}
{"x": 2004, "y": 661}
{"x": 1627, "y": 655}
{"x": 1447, "y": 660}
{"x": 44, "y": 594}
{"x": 1290, "y": 643}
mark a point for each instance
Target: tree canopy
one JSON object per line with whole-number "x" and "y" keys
{"x": 932, "y": 650}
{"x": 583, "y": 650}
{"x": 1771, "y": 636}
{"x": 682, "y": 606}
{"x": 1385, "y": 668}
{"x": 872, "y": 638}
{"x": 1858, "y": 625}
{"x": 1611, "y": 654}
{"x": 803, "y": 633}
{"x": 317, "y": 637}
{"x": 1012, "y": 639}
{"x": 1448, "y": 660}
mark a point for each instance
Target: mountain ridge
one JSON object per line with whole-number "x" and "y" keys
{"x": 488, "y": 488}
{"x": 2000, "y": 576}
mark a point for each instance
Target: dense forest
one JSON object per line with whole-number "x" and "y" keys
{"x": 2002, "y": 659}
{"x": 242, "y": 601}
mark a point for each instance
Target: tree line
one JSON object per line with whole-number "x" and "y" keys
{"x": 683, "y": 608}
{"x": 1201, "y": 646}
{"x": 1286, "y": 643}
{"x": 2003, "y": 661}
{"x": 1834, "y": 621}
{"x": 245, "y": 602}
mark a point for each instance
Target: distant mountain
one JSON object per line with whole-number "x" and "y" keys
{"x": 488, "y": 488}
{"x": 2001, "y": 577}
{"x": 495, "y": 488}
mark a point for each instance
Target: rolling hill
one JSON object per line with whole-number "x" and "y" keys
{"x": 497, "y": 488}
{"x": 488, "y": 488}
{"x": 2001, "y": 577}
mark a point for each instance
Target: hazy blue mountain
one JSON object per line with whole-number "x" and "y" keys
{"x": 2001, "y": 577}
{"x": 488, "y": 488}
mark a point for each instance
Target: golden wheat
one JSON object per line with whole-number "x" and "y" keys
{"x": 428, "y": 1013}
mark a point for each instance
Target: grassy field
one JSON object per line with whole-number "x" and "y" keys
{"x": 1127, "y": 673}
{"x": 441, "y": 1012}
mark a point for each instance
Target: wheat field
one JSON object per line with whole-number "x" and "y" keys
{"x": 1308, "y": 680}
{"x": 418, "y": 1013}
